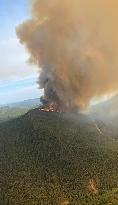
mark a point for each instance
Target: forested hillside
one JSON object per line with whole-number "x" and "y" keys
{"x": 57, "y": 159}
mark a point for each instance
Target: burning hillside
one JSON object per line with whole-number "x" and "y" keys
{"x": 75, "y": 45}
{"x": 55, "y": 106}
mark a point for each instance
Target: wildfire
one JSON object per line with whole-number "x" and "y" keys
{"x": 51, "y": 108}
{"x": 54, "y": 108}
{"x": 47, "y": 109}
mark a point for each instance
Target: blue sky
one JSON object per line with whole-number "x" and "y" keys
{"x": 17, "y": 78}
{"x": 11, "y": 13}
{"x": 19, "y": 90}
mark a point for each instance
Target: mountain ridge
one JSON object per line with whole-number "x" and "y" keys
{"x": 57, "y": 158}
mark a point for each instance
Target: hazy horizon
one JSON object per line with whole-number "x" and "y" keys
{"x": 18, "y": 80}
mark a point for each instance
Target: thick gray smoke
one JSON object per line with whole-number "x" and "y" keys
{"x": 75, "y": 45}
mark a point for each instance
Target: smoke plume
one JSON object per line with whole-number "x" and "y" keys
{"x": 75, "y": 45}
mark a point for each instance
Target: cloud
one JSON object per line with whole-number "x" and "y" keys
{"x": 8, "y": 41}
{"x": 13, "y": 58}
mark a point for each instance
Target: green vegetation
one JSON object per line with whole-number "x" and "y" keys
{"x": 57, "y": 159}
{"x": 17, "y": 109}
{"x": 7, "y": 113}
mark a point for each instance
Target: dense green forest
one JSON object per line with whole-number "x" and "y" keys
{"x": 57, "y": 159}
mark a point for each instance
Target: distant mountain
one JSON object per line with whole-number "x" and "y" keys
{"x": 58, "y": 159}
{"x": 17, "y": 109}
{"x": 25, "y": 104}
